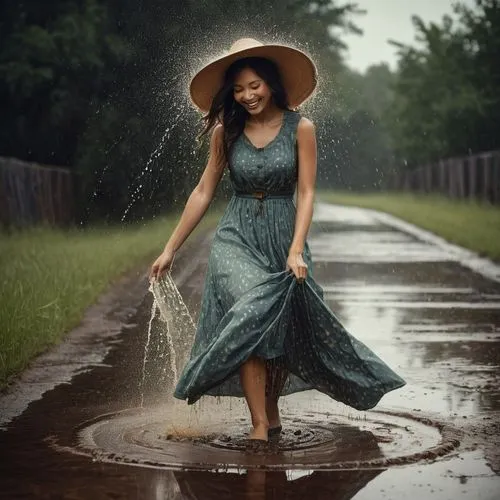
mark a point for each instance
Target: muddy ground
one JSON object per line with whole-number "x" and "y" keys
{"x": 73, "y": 426}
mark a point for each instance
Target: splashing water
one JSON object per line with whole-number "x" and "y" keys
{"x": 153, "y": 156}
{"x": 171, "y": 331}
{"x": 170, "y": 337}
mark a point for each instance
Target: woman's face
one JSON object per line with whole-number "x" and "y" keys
{"x": 251, "y": 91}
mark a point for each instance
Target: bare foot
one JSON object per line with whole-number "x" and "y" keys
{"x": 259, "y": 431}
{"x": 273, "y": 413}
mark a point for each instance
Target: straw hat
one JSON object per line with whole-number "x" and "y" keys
{"x": 297, "y": 70}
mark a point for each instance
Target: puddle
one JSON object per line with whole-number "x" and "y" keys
{"x": 313, "y": 441}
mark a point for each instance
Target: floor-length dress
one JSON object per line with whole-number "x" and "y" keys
{"x": 252, "y": 306}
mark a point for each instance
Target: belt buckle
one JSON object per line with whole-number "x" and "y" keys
{"x": 260, "y": 195}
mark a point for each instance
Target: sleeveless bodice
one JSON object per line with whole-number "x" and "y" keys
{"x": 270, "y": 168}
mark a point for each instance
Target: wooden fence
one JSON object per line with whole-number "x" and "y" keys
{"x": 31, "y": 194}
{"x": 472, "y": 177}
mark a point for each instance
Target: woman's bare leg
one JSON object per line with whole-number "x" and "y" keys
{"x": 255, "y": 484}
{"x": 276, "y": 375}
{"x": 273, "y": 412}
{"x": 253, "y": 381}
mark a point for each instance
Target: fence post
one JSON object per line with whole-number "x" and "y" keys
{"x": 442, "y": 177}
{"x": 486, "y": 177}
{"x": 495, "y": 174}
{"x": 453, "y": 174}
{"x": 472, "y": 164}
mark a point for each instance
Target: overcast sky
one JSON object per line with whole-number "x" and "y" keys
{"x": 389, "y": 19}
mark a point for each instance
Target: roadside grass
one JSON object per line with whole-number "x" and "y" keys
{"x": 48, "y": 277}
{"x": 470, "y": 224}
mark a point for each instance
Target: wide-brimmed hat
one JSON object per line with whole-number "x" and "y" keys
{"x": 297, "y": 70}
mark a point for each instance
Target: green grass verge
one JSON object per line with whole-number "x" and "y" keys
{"x": 469, "y": 224}
{"x": 49, "y": 277}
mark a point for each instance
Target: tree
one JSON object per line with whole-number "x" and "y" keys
{"x": 101, "y": 86}
{"x": 447, "y": 95}
{"x": 53, "y": 63}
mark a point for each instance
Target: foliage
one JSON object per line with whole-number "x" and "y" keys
{"x": 447, "y": 95}
{"x": 101, "y": 86}
{"x": 53, "y": 63}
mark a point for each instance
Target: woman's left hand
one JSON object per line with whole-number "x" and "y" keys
{"x": 296, "y": 264}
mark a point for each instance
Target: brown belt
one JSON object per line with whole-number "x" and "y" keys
{"x": 263, "y": 195}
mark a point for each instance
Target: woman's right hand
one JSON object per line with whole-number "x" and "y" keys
{"x": 162, "y": 264}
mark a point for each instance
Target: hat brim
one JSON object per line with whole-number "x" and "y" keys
{"x": 297, "y": 70}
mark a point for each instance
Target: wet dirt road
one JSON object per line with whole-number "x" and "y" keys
{"x": 72, "y": 426}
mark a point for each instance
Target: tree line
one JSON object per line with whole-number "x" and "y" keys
{"x": 442, "y": 101}
{"x": 101, "y": 88}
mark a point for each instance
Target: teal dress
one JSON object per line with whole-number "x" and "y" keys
{"x": 252, "y": 306}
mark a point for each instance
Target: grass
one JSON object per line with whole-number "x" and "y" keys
{"x": 48, "y": 277}
{"x": 472, "y": 225}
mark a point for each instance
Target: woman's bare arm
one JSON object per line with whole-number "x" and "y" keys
{"x": 202, "y": 195}
{"x": 307, "y": 158}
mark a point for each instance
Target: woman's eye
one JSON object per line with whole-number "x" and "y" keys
{"x": 254, "y": 87}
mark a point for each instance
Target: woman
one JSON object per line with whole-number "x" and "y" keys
{"x": 264, "y": 329}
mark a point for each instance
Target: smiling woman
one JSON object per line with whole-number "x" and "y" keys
{"x": 254, "y": 93}
{"x": 264, "y": 329}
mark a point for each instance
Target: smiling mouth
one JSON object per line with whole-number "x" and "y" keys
{"x": 252, "y": 105}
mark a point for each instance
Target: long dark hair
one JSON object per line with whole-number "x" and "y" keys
{"x": 226, "y": 110}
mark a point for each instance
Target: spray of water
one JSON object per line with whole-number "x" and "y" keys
{"x": 153, "y": 156}
{"x": 170, "y": 336}
{"x": 171, "y": 331}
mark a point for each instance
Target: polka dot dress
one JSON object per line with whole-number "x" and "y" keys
{"x": 252, "y": 306}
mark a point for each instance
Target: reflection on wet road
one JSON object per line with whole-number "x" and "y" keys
{"x": 416, "y": 306}
{"x": 434, "y": 320}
